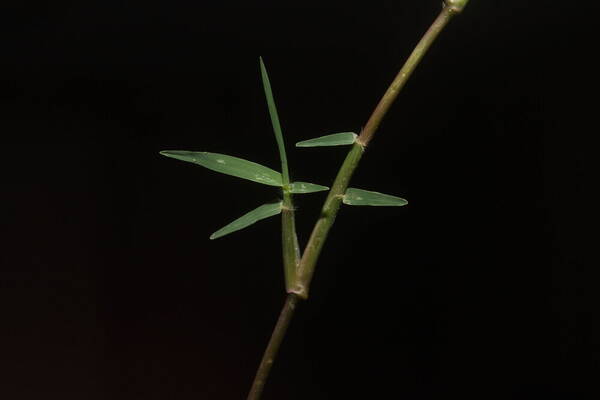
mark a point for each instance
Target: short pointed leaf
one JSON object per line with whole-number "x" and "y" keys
{"x": 262, "y": 212}
{"x": 337, "y": 139}
{"x": 305, "y": 187}
{"x": 359, "y": 197}
{"x": 228, "y": 165}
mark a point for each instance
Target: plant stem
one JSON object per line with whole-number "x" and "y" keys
{"x": 331, "y": 206}
{"x": 325, "y": 221}
{"x": 405, "y": 72}
{"x": 291, "y": 249}
{"x": 336, "y": 194}
{"x": 271, "y": 352}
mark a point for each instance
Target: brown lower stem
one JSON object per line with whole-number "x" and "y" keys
{"x": 273, "y": 347}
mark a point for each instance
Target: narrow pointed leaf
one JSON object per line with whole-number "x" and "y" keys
{"x": 305, "y": 187}
{"x": 337, "y": 139}
{"x": 262, "y": 212}
{"x": 359, "y": 197}
{"x": 228, "y": 165}
{"x": 274, "y": 120}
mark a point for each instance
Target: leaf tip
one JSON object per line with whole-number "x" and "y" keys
{"x": 305, "y": 187}
{"x": 170, "y": 152}
{"x": 167, "y": 153}
{"x": 360, "y": 197}
{"x": 176, "y": 154}
{"x": 336, "y": 139}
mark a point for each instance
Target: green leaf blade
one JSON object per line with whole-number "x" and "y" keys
{"x": 228, "y": 165}
{"x": 260, "y": 213}
{"x": 274, "y": 120}
{"x": 336, "y": 139}
{"x": 359, "y": 197}
{"x": 305, "y": 187}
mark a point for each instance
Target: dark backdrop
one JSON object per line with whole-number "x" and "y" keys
{"x": 483, "y": 287}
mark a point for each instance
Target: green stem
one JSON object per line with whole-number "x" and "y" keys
{"x": 329, "y": 211}
{"x": 332, "y": 203}
{"x": 273, "y": 347}
{"x": 325, "y": 221}
{"x": 291, "y": 250}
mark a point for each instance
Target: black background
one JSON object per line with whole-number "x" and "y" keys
{"x": 483, "y": 287}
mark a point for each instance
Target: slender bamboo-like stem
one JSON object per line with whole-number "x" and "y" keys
{"x": 272, "y": 348}
{"x": 305, "y": 269}
{"x": 291, "y": 249}
{"x": 332, "y": 203}
{"x": 325, "y": 221}
{"x": 405, "y": 72}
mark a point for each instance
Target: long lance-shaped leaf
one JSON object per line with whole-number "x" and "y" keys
{"x": 289, "y": 238}
{"x": 359, "y": 197}
{"x": 275, "y": 121}
{"x": 337, "y": 139}
{"x": 262, "y": 212}
{"x": 229, "y": 165}
{"x": 305, "y": 187}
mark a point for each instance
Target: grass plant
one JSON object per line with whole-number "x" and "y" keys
{"x": 299, "y": 267}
